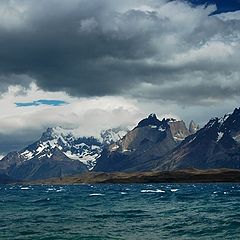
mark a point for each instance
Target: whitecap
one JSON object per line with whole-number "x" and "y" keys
{"x": 96, "y": 194}
{"x": 152, "y": 191}
{"x": 123, "y": 193}
{"x": 161, "y": 191}
{"x": 174, "y": 190}
{"x": 24, "y": 188}
{"x": 60, "y": 190}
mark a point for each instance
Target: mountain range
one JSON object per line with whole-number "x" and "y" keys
{"x": 59, "y": 152}
{"x": 153, "y": 145}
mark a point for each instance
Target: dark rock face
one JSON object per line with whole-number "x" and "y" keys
{"x": 151, "y": 139}
{"x": 152, "y": 121}
{"x": 216, "y": 145}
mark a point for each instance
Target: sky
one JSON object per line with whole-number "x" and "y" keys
{"x": 99, "y": 64}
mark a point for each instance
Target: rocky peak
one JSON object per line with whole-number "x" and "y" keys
{"x": 179, "y": 130}
{"x": 193, "y": 127}
{"x": 231, "y": 122}
{"x": 152, "y": 115}
{"x": 47, "y": 135}
{"x": 152, "y": 120}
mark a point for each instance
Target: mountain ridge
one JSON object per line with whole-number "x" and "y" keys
{"x": 153, "y": 145}
{"x": 151, "y": 138}
{"x": 57, "y": 153}
{"x": 216, "y": 145}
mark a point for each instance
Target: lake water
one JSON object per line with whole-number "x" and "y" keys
{"x": 120, "y": 211}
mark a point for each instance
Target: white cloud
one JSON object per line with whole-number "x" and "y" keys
{"x": 89, "y": 115}
{"x": 229, "y": 16}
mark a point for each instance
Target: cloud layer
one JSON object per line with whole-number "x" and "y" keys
{"x": 113, "y": 62}
{"x": 146, "y": 49}
{"x": 21, "y": 126}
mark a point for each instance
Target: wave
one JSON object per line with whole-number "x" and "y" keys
{"x": 96, "y": 194}
{"x": 25, "y": 188}
{"x": 174, "y": 190}
{"x": 152, "y": 191}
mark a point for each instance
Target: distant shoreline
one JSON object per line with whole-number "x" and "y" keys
{"x": 178, "y": 176}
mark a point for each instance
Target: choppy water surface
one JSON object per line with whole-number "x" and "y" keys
{"x": 136, "y": 211}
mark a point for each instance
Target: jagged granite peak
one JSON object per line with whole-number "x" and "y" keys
{"x": 178, "y": 129}
{"x": 149, "y": 130}
{"x": 152, "y": 120}
{"x": 151, "y": 138}
{"x": 193, "y": 127}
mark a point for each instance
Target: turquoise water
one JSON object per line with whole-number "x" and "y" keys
{"x": 131, "y": 211}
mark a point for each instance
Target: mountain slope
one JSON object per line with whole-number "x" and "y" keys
{"x": 216, "y": 145}
{"x": 17, "y": 167}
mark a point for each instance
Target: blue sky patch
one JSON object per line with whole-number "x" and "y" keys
{"x": 40, "y": 102}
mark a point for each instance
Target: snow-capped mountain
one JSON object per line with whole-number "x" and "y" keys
{"x": 59, "y": 152}
{"x": 84, "y": 149}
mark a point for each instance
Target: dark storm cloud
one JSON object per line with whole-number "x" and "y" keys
{"x": 97, "y": 48}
